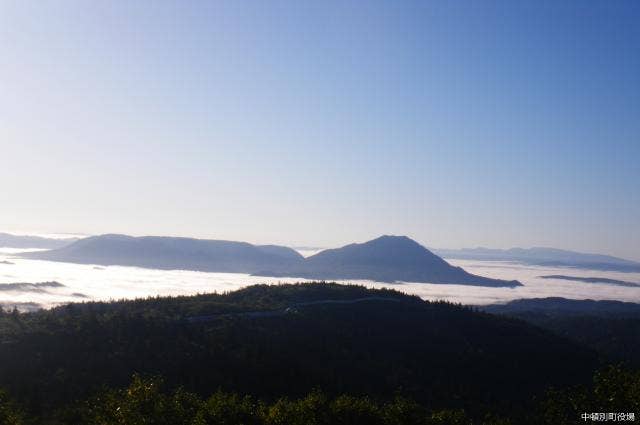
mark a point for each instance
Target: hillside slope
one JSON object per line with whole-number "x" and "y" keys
{"x": 610, "y": 327}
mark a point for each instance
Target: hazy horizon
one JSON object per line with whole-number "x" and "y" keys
{"x": 495, "y": 124}
{"x": 304, "y": 249}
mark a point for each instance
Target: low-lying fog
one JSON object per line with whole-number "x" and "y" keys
{"x": 60, "y": 283}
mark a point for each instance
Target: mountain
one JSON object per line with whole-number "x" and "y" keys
{"x": 388, "y": 259}
{"x": 277, "y": 341}
{"x": 558, "y": 306}
{"x": 385, "y": 259}
{"x": 543, "y": 257}
{"x": 173, "y": 253}
{"x": 23, "y": 241}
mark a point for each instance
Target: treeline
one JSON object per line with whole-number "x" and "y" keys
{"x": 146, "y": 401}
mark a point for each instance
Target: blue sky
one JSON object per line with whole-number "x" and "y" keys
{"x": 319, "y": 123}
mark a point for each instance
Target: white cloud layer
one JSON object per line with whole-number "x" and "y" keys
{"x": 87, "y": 282}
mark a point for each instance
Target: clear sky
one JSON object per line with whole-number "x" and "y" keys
{"x": 511, "y": 123}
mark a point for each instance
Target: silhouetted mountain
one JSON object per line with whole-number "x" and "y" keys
{"x": 280, "y": 251}
{"x": 543, "y": 257}
{"x": 388, "y": 259}
{"x": 23, "y": 241}
{"x": 173, "y": 253}
{"x": 562, "y": 306}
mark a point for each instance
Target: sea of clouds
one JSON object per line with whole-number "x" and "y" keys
{"x": 61, "y": 283}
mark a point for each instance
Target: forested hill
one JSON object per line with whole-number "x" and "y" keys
{"x": 340, "y": 339}
{"x": 610, "y": 327}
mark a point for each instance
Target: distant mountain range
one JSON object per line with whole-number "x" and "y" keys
{"x": 543, "y": 257}
{"x": 385, "y": 259}
{"x": 23, "y": 241}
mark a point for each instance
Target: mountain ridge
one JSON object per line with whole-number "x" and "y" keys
{"x": 388, "y": 258}
{"x": 564, "y": 306}
{"x": 385, "y": 259}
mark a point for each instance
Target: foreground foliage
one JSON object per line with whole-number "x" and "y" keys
{"x": 614, "y": 390}
{"x": 145, "y": 401}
